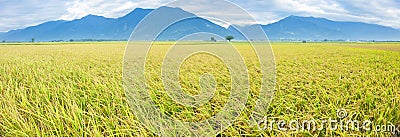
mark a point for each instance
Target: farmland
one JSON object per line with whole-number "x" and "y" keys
{"x": 75, "y": 89}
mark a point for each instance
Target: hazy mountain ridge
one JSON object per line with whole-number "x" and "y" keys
{"x": 292, "y": 27}
{"x": 295, "y": 27}
{"x": 88, "y": 27}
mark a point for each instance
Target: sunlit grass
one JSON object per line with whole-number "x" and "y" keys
{"x": 76, "y": 89}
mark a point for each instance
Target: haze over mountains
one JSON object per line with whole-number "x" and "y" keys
{"x": 293, "y": 27}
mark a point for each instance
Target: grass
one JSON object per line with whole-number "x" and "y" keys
{"x": 390, "y": 46}
{"x": 75, "y": 89}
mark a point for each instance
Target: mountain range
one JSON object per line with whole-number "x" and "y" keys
{"x": 292, "y": 27}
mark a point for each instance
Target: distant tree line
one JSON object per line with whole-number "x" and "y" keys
{"x": 87, "y": 40}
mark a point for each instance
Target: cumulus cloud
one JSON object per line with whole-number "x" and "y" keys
{"x": 383, "y": 12}
{"x": 112, "y": 9}
{"x": 19, "y": 14}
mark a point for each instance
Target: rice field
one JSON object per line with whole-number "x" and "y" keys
{"x": 75, "y": 89}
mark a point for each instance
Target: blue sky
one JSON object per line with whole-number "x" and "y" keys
{"x": 16, "y": 14}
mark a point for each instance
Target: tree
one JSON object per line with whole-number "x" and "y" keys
{"x": 33, "y": 40}
{"x": 229, "y": 38}
{"x": 213, "y": 39}
{"x": 3, "y": 41}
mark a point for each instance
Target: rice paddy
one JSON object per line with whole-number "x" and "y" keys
{"x": 75, "y": 89}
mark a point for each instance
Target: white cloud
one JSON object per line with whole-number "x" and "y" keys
{"x": 111, "y": 9}
{"x": 19, "y": 14}
{"x": 384, "y": 12}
